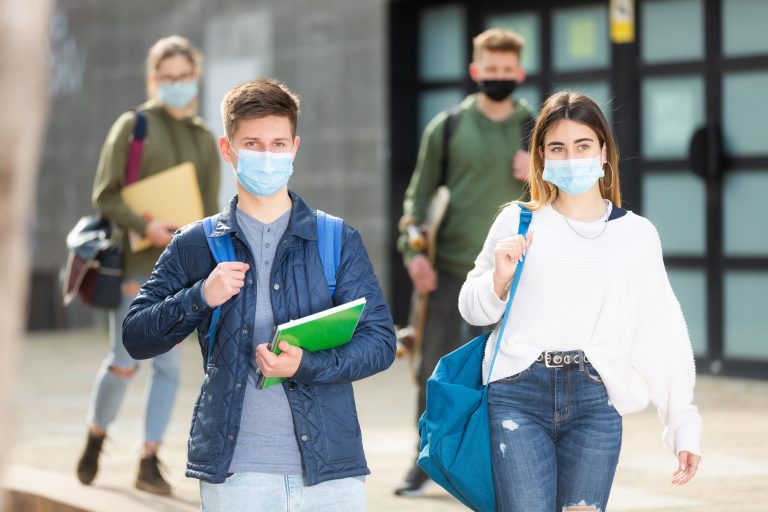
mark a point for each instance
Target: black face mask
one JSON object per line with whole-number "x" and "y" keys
{"x": 498, "y": 90}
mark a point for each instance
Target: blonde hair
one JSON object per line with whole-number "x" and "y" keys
{"x": 171, "y": 46}
{"x": 578, "y": 107}
{"x": 497, "y": 40}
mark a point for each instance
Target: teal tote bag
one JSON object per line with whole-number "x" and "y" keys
{"x": 455, "y": 446}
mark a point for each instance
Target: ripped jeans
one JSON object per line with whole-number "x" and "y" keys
{"x": 110, "y": 389}
{"x": 555, "y": 440}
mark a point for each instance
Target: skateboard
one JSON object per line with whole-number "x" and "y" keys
{"x": 421, "y": 239}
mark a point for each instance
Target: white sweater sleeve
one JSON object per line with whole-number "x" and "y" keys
{"x": 478, "y": 303}
{"x": 663, "y": 355}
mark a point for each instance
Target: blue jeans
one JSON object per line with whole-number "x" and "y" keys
{"x": 282, "y": 493}
{"x": 555, "y": 439}
{"x": 109, "y": 389}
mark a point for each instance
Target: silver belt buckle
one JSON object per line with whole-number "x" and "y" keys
{"x": 553, "y": 361}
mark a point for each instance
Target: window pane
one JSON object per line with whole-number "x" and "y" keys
{"x": 745, "y": 230}
{"x": 690, "y": 287}
{"x": 672, "y": 109}
{"x": 442, "y": 44}
{"x": 581, "y": 38}
{"x": 432, "y": 102}
{"x": 526, "y": 24}
{"x": 746, "y": 322}
{"x": 682, "y": 228}
{"x": 600, "y": 92}
{"x": 744, "y": 30}
{"x": 745, "y": 113}
{"x": 532, "y": 95}
{"x": 672, "y": 30}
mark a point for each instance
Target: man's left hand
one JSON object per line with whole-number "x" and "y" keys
{"x": 284, "y": 365}
{"x": 521, "y": 165}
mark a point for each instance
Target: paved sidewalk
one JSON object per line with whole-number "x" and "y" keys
{"x": 58, "y": 368}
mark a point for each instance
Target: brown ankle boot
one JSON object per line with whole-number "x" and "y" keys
{"x": 88, "y": 465}
{"x": 149, "y": 478}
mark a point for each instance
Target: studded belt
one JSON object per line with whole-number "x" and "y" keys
{"x": 559, "y": 359}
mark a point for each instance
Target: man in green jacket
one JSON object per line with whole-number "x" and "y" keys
{"x": 486, "y": 167}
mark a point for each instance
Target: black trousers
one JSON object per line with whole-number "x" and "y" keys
{"x": 444, "y": 332}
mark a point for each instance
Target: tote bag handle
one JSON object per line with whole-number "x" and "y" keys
{"x": 525, "y": 222}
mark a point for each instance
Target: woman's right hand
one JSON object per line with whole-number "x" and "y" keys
{"x": 224, "y": 282}
{"x": 507, "y": 254}
{"x": 159, "y": 233}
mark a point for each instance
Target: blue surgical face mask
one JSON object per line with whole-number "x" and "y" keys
{"x": 177, "y": 94}
{"x": 573, "y": 176}
{"x": 263, "y": 173}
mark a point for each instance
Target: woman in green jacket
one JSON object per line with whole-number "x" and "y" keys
{"x": 175, "y": 134}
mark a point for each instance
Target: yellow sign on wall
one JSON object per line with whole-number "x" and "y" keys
{"x": 622, "y": 14}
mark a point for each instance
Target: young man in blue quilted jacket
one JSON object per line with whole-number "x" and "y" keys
{"x": 296, "y": 443}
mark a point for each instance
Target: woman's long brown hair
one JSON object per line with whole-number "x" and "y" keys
{"x": 578, "y": 107}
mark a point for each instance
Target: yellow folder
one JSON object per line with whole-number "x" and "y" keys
{"x": 172, "y": 195}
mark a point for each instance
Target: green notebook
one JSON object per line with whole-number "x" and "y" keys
{"x": 319, "y": 331}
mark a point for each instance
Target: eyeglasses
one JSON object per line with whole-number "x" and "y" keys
{"x": 168, "y": 79}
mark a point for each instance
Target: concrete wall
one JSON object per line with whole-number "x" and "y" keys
{"x": 332, "y": 52}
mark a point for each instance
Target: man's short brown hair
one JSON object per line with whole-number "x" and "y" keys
{"x": 259, "y": 98}
{"x": 497, "y": 40}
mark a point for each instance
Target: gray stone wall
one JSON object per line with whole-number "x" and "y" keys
{"x": 332, "y": 52}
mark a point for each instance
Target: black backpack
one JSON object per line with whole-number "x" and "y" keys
{"x": 94, "y": 267}
{"x": 454, "y": 116}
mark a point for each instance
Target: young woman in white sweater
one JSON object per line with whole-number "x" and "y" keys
{"x": 594, "y": 331}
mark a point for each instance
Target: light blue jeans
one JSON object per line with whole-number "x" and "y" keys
{"x": 555, "y": 439}
{"x": 268, "y": 492}
{"x": 110, "y": 388}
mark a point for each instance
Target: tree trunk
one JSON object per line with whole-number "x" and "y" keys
{"x": 23, "y": 109}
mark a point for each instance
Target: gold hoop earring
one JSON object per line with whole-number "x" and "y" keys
{"x": 603, "y": 178}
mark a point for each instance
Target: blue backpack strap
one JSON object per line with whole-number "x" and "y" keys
{"x": 221, "y": 246}
{"x": 329, "y": 230}
{"x": 525, "y": 222}
{"x": 222, "y": 249}
{"x": 140, "y": 127}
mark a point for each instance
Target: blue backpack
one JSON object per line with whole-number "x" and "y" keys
{"x": 329, "y": 229}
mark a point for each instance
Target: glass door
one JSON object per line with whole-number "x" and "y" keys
{"x": 704, "y": 166}
{"x": 672, "y": 107}
{"x": 566, "y": 47}
{"x": 443, "y": 60}
{"x": 743, "y": 81}
{"x": 687, "y": 100}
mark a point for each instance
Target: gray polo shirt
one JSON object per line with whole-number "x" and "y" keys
{"x": 266, "y": 442}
